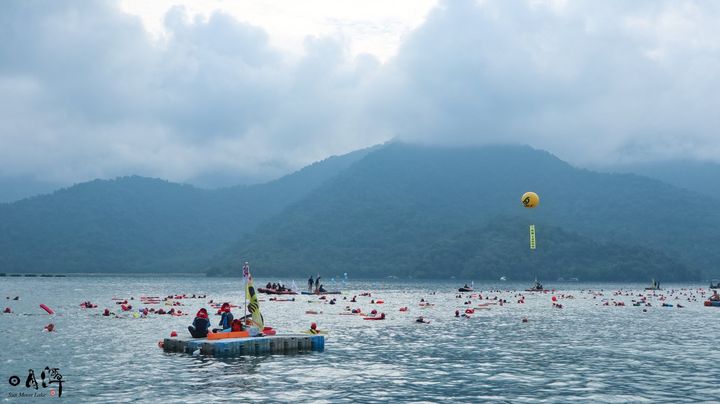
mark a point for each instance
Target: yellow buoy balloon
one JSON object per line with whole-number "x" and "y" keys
{"x": 530, "y": 199}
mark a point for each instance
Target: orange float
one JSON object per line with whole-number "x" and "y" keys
{"x": 225, "y": 335}
{"x": 47, "y": 309}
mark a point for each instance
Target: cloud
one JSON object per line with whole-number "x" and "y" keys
{"x": 591, "y": 81}
{"x": 86, "y": 92}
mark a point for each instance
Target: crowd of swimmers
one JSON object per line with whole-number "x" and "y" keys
{"x": 201, "y": 324}
{"x": 144, "y": 312}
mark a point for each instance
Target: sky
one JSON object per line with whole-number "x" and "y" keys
{"x": 222, "y": 92}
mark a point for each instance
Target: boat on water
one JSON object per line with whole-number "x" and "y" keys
{"x": 654, "y": 286}
{"x": 465, "y": 288}
{"x": 271, "y": 291}
{"x": 537, "y": 287}
{"x": 714, "y": 284}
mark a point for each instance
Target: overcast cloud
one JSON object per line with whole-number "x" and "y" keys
{"x": 86, "y": 92}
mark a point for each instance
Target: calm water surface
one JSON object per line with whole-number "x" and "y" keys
{"x": 583, "y": 352}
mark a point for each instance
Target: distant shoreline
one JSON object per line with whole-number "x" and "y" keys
{"x": 460, "y": 282}
{"x": 96, "y": 274}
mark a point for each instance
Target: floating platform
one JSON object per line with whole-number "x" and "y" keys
{"x": 269, "y": 345}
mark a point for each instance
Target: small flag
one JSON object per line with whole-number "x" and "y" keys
{"x": 246, "y": 271}
{"x": 532, "y": 236}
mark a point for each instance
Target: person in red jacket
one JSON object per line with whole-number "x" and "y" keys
{"x": 199, "y": 327}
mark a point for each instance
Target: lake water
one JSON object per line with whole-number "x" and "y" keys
{"x": 583, "y": 352}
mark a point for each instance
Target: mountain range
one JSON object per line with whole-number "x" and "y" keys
{"x": 432, "y": 212}
{"x": 397, "y": 209}
{"x": 136, "y": 224}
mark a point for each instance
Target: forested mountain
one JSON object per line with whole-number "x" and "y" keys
{"x": 141, "y": 224}
{"x": 397, "y": 209}
{"x": 435, "y": 212}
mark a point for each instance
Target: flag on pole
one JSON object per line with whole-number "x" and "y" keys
{"x": 246, "y": 271}
{"x": 251, "y": 296}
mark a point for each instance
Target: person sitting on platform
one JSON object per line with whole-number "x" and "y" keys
{"x": 237, "y": 325}
{"x": 226, "y": 318}
{"x": 199, "y": 327}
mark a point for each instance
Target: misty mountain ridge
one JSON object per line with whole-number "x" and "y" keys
{"x": 693, "y": 175}
{"x": 14, "y": 189}
{"x": 697, "y": 176}
{"x": 138, "y": 224}
{"x": 384, "y": 213}
{"x": 415, "y": 211}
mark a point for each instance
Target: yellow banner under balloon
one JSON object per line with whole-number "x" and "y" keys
{"x": 532, "y": 236}
{"x": 253, "y": 306}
